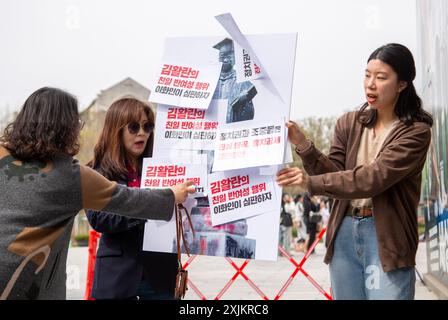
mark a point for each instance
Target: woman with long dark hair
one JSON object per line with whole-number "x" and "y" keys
{"x": 42, "y": 189}
{"x": 374, "y": 172}
{"x": 123, "y": 270}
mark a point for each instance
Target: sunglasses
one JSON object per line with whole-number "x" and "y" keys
{"x": 134, "y": 127}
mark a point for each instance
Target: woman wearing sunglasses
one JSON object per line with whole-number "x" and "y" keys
{"x": 123, "y": 270}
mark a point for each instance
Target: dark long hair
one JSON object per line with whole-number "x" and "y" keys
{"x": 409, "y": 105}
{"x": 47, "y": 125}
{"x": 110, "y": 156}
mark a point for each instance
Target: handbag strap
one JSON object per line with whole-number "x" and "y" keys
{"x": 180, "y": 233}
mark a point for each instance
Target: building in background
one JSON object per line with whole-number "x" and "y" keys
{"x": 432, "y": 27}
{"x": 95, "y": 113}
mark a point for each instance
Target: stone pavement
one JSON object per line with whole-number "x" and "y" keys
{"x": 210, "y": 274}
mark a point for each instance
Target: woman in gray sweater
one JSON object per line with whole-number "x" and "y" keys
{"x": 42, "y": 188}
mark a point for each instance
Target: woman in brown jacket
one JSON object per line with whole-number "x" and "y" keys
{"x": 373, "y": 172}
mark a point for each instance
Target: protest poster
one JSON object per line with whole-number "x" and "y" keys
{"x": 240, "y": 145}
{"x": 236, "y": 101}
{"x": 186, "y": 129}
{"x": 165, "y": 172}
{"x": 239, "y": 194}
{"x": 277, "y": 51}
{"x": 185, "y": 85}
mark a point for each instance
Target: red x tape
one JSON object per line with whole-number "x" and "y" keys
{"x": 239, "y": 271}
{"x": 299, "y": 268}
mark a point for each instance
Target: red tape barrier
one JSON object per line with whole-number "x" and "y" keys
{"x": 299, "y": 268}
{"x": 93, "y": 243}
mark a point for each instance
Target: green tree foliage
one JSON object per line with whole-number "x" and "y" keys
{"x": 89, "y": 135}
{"x": 318, "y": 130}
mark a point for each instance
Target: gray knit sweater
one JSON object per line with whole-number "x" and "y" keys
{"x": 38, "y": 203}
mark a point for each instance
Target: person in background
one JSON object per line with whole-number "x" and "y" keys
{"x": 325, "y": 214}
{"x": 323, "y": 211}
{"x": 286, "y": 222}
{"x": 309, "y": 209}
{"x": 300, "y": 224}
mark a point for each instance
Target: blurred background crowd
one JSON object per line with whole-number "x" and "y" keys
{"x": 301, "y": 219}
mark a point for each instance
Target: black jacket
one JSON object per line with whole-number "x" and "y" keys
{"x": 308, "y": 206}
{"x": 121, "y": 263}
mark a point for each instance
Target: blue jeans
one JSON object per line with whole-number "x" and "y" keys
{"x": 355, "y": 270}
{"x": 285, "y": 236}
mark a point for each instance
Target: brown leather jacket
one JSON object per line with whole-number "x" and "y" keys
{"x": 393, "y": 181}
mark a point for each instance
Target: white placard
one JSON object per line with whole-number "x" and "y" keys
{"x": 165, "y": 172}
{"x": 239, "y": 194}
{"x": 255, "y": 237}
{"x": 186, "y": 129}
{"x": 185, "y": 85}
{"x": 244, "y": 145}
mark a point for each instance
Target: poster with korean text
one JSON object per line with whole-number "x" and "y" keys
{"x": 185, "y": 84}
{"x": 250, "y": 103}
{"x": 240, "y": 194}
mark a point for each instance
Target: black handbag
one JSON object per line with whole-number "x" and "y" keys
{"x": 315, "y": 217}
{"x": 286, "y": 219}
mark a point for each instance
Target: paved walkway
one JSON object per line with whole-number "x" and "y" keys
{"x": 210, "y": 274}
